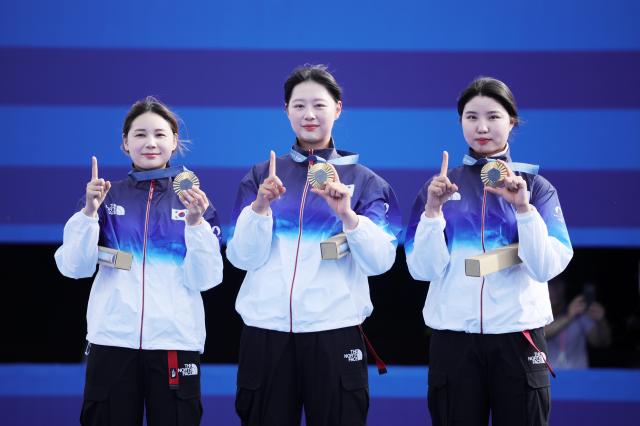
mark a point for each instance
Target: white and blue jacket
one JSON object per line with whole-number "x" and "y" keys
{"x": 157, "y": 304}
{"x": 511, "y": 300}
{"x": 288, "y": 287}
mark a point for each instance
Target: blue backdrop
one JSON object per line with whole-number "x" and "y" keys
{"x": 52, "y": 394}
{"x": 69, "y": 71}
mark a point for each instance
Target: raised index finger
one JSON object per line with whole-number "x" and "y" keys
{"x": 94, "y": 168}
{"x": 272, "y": 164}
{"x": 445, "y": 163}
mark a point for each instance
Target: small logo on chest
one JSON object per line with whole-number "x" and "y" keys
{"x": 114, "y": 209}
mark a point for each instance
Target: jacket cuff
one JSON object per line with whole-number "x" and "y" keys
{"x": 528, "y": 216}
{"x": 81, "y": 217}
{"x": 432, "y": 223}
{"x": 249, "y": 213}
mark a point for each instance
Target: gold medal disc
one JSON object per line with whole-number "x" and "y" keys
{"x": 493, "y": 173}
{"x": 185, "y": 180}
{"x": 320, "y": 174}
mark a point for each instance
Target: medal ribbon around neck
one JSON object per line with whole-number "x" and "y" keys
{"x": 338, "y": 161}
{"x": 167, "y": 172}
{"x": 532, "y": 169}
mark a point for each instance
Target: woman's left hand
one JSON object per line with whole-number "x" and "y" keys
{"x": 513, "y": 190}
{"x": 196, "y": 202}
{"x": 338, "y": 197}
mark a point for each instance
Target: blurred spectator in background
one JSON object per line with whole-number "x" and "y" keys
{"x": 632, "y": 330}
{"x": 575, "y": 325}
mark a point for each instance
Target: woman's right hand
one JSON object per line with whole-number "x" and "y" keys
{"x": 96, "y": 190}
{"x": 270, "y": 189}
{"x": 440, "y": 190}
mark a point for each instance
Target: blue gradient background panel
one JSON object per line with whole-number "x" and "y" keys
{"x": 70, "y": 71}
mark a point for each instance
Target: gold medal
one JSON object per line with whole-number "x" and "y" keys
{"x": 320, "y": 174}
{"x": 493, "y": 173}
{"x": 185, "y": 180}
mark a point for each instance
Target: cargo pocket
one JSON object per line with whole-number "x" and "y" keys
{"x": 354, "y": 399}
{"x": 95, "y": 406}
{"x": 538, "y": 399}
{"x": 247, "y": 399}
{"x": 437, "y": 398}
{"x": 189, "y": 405}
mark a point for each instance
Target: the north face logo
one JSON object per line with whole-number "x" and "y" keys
{"x": 189, "y": 370}
{"x": 354, "y": 356}
{"x": 537, "y": 358}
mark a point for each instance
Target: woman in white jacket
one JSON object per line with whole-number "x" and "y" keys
{"x": 302, "y": 345}
{"x": 487, "y": 351}
{"x": 145, "y": 325}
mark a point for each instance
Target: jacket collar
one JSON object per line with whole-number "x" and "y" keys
{"x": 163, "y": 177}
{"x": 326, "y": 155}
{"x": 473, "y": 159}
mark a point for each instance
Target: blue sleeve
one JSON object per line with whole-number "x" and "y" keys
{"x": 414, "y": 218}
{"x": 545, "y": 199}
{"x": 379, "y": 203}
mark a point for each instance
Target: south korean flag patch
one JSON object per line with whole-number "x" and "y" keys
{"x": 179, "y": 214}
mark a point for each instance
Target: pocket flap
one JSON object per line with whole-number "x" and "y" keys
{"x": 190, "y": 391}
{"x": 538, "y": 379}
{"x": 353, "y": 382}
{"x": 96, "y": 393}
{"x": 248, "y": 381}
{"x": 437, "y": 379}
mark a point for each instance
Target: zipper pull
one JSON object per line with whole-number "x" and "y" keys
{"x": 151, "y": 188}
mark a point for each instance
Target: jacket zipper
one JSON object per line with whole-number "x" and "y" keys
{"x": 144, "y": 251}
{"x": 295, "y": 265}
{"x": 484, "y": 206}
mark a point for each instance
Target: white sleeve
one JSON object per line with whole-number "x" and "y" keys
{"x": 430, "y": 256}
{"x": 203, "y": 261}
{"x": 371, "y": 247}
{"x": 78, "y": 255}
{"x": 544, "y": 256}
{"x": 250, "y": 246}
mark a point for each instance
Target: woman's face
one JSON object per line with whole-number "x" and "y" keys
{"x": 312, "y": 111}
{"x": 486, "y": 125}
{"x": 150, "y": 142}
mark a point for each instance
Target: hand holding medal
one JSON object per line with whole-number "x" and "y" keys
{"x": 501, "y": 180}
{"x": 187, "y": 186}
{"x": 325, "y": 182}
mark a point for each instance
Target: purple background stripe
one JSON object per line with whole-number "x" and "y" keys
{"x": 253, "y": 78}
{"x": 589, "y": 199}
{"x": 65, "y": 410}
